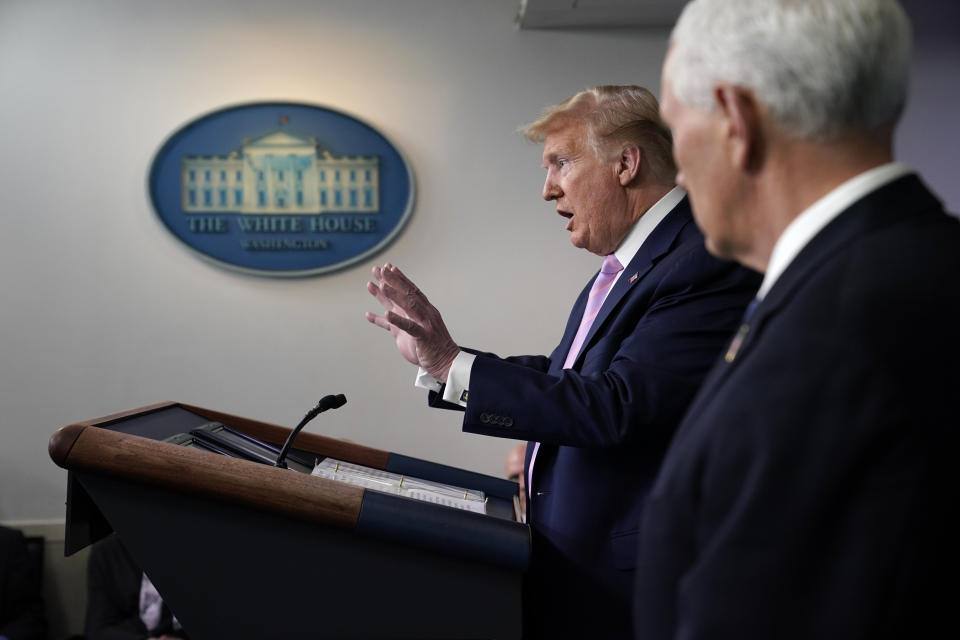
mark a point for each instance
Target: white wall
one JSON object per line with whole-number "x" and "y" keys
{"x": 928, "y": 136}
{"x": 102, "y": 310}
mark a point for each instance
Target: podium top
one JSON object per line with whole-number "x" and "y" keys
{"x": 128, "y": 445}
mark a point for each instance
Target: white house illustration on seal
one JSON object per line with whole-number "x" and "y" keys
{"x": 280, "y": 172}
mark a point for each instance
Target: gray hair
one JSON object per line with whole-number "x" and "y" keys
{"x": 822, "y": 67}
{"x": 615, "y": 115}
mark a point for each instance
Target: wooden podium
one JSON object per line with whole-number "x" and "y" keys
{"x": 246, "y": 550}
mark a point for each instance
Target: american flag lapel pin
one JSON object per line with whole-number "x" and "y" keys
{"x": 634, "y": 277}
{"x": 736, "y": 343}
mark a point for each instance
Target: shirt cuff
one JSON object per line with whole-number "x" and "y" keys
{"x": 426, "y": 381}
{"x": 458, "y": 379}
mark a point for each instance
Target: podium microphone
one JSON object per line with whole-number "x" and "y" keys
{"x": 326, "y": 402}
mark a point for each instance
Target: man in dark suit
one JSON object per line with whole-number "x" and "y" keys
{"x": 600, "y": 410}
{"x": 122, "y": 603}
{"x": 810, "y": 491}
{"x": 22, "y": 614}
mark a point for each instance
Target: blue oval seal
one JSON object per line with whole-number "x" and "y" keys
{"x": 281, "y": 188}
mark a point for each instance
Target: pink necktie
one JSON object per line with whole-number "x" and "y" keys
{"x": 598, "y": 293}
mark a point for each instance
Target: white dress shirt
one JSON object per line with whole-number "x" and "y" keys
{"x": 818, "y": 215}
{"x": 458, "y": 378}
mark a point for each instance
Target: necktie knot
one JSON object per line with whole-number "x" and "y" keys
{"x": 611, "y": 265}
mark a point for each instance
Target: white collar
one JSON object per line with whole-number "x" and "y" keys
{"x": 808, "y": 224}
{"x": 643, "y": 227}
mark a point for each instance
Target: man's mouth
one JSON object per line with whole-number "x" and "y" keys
{"x": 568, "y": 216}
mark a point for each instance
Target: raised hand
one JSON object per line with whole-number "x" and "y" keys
{"x": 406, "y": 345}
{"x": 410, "y": 312}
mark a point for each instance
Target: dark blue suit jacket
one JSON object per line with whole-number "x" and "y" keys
{"x": 605, "y": 424}
{"x": 811, "y": 492}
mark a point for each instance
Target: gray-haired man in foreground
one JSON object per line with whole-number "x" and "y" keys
{"x": 810, "y": 491}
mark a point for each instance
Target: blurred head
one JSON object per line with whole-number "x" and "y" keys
{"x": 602, "y": 148}
{"x": 748, "y": 79}
{"x": 823, "y": 68}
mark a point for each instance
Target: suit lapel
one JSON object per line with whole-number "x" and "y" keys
{"x": 573, "y": 323}
{"x": 656, "y": 245}
{"x": 891, "y": 204}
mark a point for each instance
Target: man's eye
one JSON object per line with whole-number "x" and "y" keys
{"x": 561, "y": 163}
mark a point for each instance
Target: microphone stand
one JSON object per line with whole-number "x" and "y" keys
{"x": 326, "y": 402}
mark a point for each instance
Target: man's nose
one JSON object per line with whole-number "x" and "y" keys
{"x": 550, "y": 189}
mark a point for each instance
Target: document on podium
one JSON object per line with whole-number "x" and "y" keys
{"x": 401, "y": 485}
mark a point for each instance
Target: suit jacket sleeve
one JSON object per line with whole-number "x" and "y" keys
{"x": 636, "y": 376}
{"x": 537, "y": 363}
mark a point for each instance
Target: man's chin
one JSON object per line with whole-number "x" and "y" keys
{"x": 726, "y": 250}
{"x": 717, "y": 249}
{"x": 583, "y": 243}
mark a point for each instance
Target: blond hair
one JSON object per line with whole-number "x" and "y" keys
{"x": 614, "y": 115}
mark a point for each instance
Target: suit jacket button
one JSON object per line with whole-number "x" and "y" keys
{"x": 508, "y": 421}
{"x": 484, "y": 418}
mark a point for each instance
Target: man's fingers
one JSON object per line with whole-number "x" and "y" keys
{"x": 380, "y": 321}
{"x": 401, "y": 282}
{"x": 404, "y": 294}
{"x": 383, "y": 299}
{"x": 377, "y": 293}
{"x": 414, "y": 307}
{"x": 405, "y": 324}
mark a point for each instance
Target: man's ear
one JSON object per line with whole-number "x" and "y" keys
{"x": 744, "y": 128}
{"x": 628, "y": 164}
